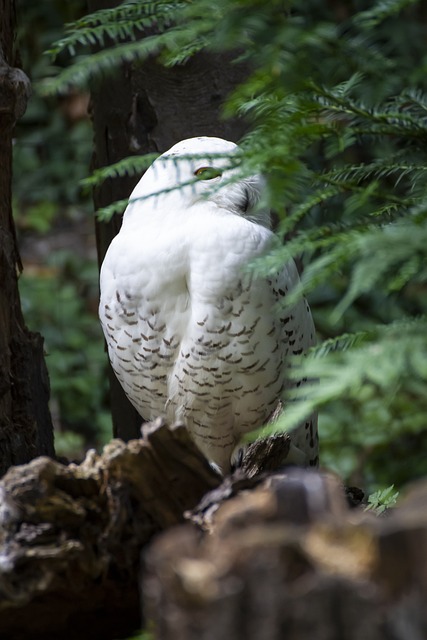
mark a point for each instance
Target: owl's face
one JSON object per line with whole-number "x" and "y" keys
{"x": 199, "y": 170}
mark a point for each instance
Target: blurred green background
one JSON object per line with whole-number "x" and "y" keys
{"x": 59, "y": 286}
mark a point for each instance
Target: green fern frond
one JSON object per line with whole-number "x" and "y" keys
{"x": 127, "y": 20}
{"x": 343, "y": 342}
{"x": 130, "y": 166}
{"x": 390, "y": 256}
{"x": 300, "y": 211}
{"x": 80, "y": 73}
{"x": 382, "y": 119}
{"x": 380, "y": 169}
{"x": 376, "y": 369}
{"x": 412, "y": 98}
{"x": 181, "y": 55}
{"x": 116, "y": 208}
{"x": 381, "y": 11}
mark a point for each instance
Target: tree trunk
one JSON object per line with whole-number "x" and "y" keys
{"x": 148, "y": 109}
{"x": 25, "y": 424}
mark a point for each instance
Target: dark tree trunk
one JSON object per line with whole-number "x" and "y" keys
{"x": 148, "y": 109}
{"x": 25, "y": 424}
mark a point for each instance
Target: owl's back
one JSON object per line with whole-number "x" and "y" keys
{"x": 193, "y": 334}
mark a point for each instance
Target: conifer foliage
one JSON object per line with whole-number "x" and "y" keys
{"x": 337, "y": 110}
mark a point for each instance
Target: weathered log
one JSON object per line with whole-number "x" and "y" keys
{"x": 70, "y": 537}
{"x": 271, "y": 556}
{"x": 290, "y": 560}
{"x": 265, "y": 454}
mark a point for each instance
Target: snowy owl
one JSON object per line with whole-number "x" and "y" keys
{"x": 193, "y": 333}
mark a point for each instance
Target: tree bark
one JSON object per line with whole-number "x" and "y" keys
{"x": 71, "y": 537}
{"x": 272, "y": 556}
{"x": 148, "y": 109}
{"x": 289, "y": 560}
{"x": 25, "y": 423}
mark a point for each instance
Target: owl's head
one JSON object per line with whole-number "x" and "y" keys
{"x": 202, "y": 169}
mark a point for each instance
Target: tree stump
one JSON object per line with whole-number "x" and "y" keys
{"x": 258, "y": 555}
{"x": 70, "y": 537}
{"x": 290, "y": 560}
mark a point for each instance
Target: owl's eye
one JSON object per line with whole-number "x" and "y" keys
{"x": 207, "y": 173}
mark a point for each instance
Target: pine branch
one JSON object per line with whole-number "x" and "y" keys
{"x": 381, "y": 11}
{"x": 130, "y": 166}
{"x": 373, "y": 369}
{"x": 126, "y": 21}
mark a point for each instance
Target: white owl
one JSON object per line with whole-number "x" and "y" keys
{"x": 193, "y": 334}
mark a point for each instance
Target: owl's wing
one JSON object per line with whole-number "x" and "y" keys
{"x": 298, "y": 332}
{"x": 298, "y": 335}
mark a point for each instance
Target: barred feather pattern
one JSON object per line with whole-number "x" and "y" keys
{"x": 193, "y": 332}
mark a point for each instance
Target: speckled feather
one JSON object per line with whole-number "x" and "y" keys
{"x": 192, "y": 333}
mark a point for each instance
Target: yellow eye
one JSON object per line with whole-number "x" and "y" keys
{"x": 207, "y": 173}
